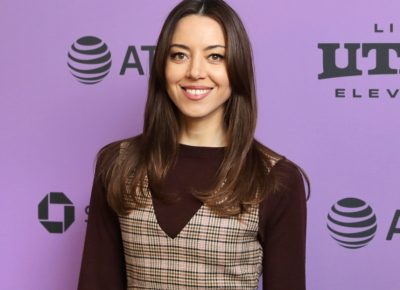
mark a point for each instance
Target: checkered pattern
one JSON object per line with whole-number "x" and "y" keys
{"x": 210, "y": 252}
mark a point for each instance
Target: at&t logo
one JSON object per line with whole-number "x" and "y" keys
{"x": 89, "y": 60}
{"x": 352, "y": 223}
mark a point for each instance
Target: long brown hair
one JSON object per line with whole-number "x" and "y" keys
{"x": 244, "y": 177}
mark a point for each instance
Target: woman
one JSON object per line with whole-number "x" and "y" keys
{"x": 195, "y": 201}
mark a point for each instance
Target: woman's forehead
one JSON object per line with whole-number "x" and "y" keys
{"x": 196, "y": 30}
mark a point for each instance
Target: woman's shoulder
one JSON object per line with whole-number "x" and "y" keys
{"x": 119, "y": 145}
{"x": 115, "y": 150}
{"x": 270, "y": 156}
{"x": 289, "y": 172}
{"x": 286, "y": 172}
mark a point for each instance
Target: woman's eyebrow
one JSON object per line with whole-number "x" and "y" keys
{"x": 187, "y": 48}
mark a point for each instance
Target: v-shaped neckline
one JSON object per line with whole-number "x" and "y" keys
{"x": 192, "y": 218}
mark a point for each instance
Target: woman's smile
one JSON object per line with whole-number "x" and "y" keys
{"x": 196, "y": 93}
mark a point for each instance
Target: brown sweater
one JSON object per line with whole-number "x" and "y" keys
{"x": 282, "y": 224}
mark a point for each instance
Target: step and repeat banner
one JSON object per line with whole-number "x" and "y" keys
{"x": 328, "y": 82}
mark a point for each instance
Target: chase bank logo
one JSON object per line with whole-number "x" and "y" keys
{"x": 352, "y": 223}
{"x": 89, "y": 60}
{"x": 65, "y": 206}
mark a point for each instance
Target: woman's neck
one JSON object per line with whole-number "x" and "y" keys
{"x": 203, "y": 133}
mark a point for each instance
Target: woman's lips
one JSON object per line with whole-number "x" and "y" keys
{"x": 196, "y": 94}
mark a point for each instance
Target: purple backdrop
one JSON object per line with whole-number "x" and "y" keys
{"x": 52, "y": 125}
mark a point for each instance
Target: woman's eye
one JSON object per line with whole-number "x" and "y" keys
{"x": 216, "y": 56}
{"x": 178, "y": 56}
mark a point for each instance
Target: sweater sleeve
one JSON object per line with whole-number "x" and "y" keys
{"x": 282, "y": 232}
{"x": 103, "y": 263}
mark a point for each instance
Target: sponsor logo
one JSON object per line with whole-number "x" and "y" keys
{"x": 89, "y": 60}
{"x": 50, "y": 200}
{"x": 352, "y": 223}
{"x": 355, "y": 53}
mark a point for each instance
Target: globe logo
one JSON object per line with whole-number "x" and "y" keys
{"x": 89, "y": 60}
{"x": 352, "y": 223}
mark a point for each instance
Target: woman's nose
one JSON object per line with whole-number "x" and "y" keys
{"x": 196, "y": 69}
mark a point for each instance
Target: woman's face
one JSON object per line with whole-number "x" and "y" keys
{"x": 196, "y": 72}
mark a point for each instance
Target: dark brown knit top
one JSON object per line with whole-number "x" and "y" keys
{"x": 282, "y": 224}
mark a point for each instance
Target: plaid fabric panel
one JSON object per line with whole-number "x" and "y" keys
{"x": 209, "y": 253}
